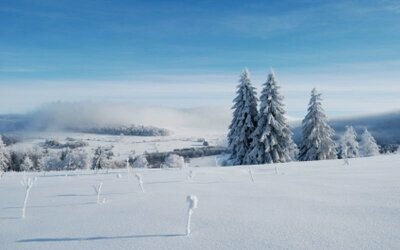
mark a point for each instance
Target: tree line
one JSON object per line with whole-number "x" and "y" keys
{"x": 260, "y": 135}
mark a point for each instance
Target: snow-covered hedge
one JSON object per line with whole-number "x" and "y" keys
{"x": 140, "y": 162}
{"x": 52, "y": 143}
{"x": 158, "y": 158}
{"x": 174, "y": 161}
{"x": 125, "y": 130}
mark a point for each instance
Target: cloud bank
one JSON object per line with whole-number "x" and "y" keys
{"x": 61, "y": 115}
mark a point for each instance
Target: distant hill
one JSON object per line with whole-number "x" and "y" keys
{"x": 14, "y": 122}
{"x": 17, "y": 123}
{"x": 384, "y": 127}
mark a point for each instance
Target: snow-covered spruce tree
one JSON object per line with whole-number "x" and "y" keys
{"x": 76, "y": 159}
{"x": 348, "y": 144}
{"x": 317, "y": 141}
{"x": 99, "y": 160}
{"x": 36, "y": 155}
{"x": 368, "y": 145}
{"x": 4, "y": 157}
{"x": 272, "y": 139}
{"x": 244, "y": 120}
{"x": 27, "y": 164}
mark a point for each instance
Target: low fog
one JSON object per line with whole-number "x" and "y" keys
{"x": 58, "y": 116}
{"x": 200, "y": 121}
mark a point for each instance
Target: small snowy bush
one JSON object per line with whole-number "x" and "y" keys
{"x": 102, "y": 158}
{"x": 174, "y": 161}
{"x": 192, "y": 200}
{"x": 140, "y": 162}
{"x": 20, "y": 153}
{"x": 4, "y": 157}
{"x": 97, "y": 190}
{"x": 77, "y": 159}
{"x": 27, "y": 164}
{"x": 348, "y": 144}
{"x": 140, "y": 181}
{"x": 369, "y": 147}
{"x": 27, "y": 183}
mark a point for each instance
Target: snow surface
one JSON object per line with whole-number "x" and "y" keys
{"x": 124, "y": 146}
{"x": 309, "y": 205}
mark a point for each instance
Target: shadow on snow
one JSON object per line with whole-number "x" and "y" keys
{"x": 99, "y": 238}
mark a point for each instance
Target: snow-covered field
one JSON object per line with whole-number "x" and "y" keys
{"x": 307, "y": 205}
{"x": 123, "y": 146}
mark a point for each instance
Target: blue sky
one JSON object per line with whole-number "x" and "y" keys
{"x": 190, "y": 53}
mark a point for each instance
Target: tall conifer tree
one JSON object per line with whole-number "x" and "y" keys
{"x": 317, "y": 134}
{"x": 272, "y": 139}
{"x": 244, "y": 120}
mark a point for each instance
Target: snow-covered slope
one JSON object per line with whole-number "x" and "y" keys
{"x": 307, "y": 205}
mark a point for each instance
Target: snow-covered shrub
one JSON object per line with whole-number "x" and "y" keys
{"x": 66, "y": 159}
{"x": 36, "y": 154}
{"x": 27, "y": 183}
{"x": 102, "y": 158}
{"x": 126, "y": 130}
{"x": 97, "y": 190}
{"x": 348, "y": 144}
{"x": 368, "y": 145}
{"x": 16, "y": 159}
{"x": 52, "y": 161}
{"x": 140, "y": 181}
{"x": 76, "y": 159}
{"x": 32, "y": 156}
{"x": 27, "y": 164}
{"x": 174, "y": 161}
{"x": 155, "y": 159}
{"x": 193, "y": 201}
{"x": 4, "y": 157}
{"x": 140, "y": 162}
{"x": 71, "y": 143}
{"x": 52, "y": 143}
{"x": 127, "y": 164}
